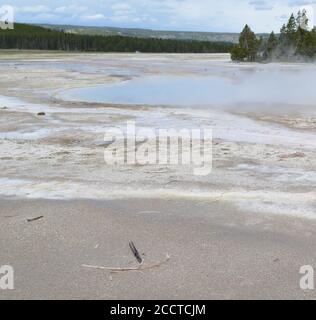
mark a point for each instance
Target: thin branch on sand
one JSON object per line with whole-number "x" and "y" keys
{"x": 140, "y": 267}
{"x": 34, "y": 219}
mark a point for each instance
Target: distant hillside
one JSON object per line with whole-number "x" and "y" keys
{"x": 32, "y": 37}
{"x": 147, "y": 33}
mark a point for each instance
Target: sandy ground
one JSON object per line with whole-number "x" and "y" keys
{"x": 216, "y": 252}
{"x": 251, "y": 222}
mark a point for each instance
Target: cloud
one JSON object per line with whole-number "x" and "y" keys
{"x": 121, "y": 6}
{"x": 261, "y": 5}
{"x": 70, "y": 9}
{"x": 298, "y": 3}
{"x": 45, "y": 17}
{"x": 32, "y": 9}
{"x": 93, "y": 17}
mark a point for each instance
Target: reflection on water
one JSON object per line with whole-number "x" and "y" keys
{"x": 257, "y": 85}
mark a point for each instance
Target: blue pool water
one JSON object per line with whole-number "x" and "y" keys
{"x": 268, "y": 86}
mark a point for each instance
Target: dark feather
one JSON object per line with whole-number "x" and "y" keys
{"x": 135, "y": 252}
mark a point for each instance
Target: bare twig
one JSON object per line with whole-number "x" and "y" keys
{"x": 140, "y": 267}
{"x": 34, "y": 219}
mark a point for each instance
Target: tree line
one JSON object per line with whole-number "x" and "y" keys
{"x": 25, "y": 36}
{"x": 294, "y": 43}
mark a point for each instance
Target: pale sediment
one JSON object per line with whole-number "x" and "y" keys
{"x": 54, "y": 149}
{"x": 242, "y": 231}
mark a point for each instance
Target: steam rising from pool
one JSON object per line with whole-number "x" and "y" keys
{"x": 270, "y": 84}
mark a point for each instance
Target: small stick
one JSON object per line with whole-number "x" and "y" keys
{"x": 138, "y": 268}
{"x": 34, "y": 219}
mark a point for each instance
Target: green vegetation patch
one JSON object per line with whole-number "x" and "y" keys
{"x": 294, "y": 43}
{"x": 30, "y": 37}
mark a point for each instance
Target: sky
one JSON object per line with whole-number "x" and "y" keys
{"x": 178, "y": 15}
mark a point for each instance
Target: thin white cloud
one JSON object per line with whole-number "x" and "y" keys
{"x": 43, "y": 17}
{"x": 261, "y": 5}
{"x": 121, "y": 6}
{"x": 32, "y": 9}
{"x": 70, "y": 9}
{"x": 298, "y": 3}
{"x": 94, "y": 17}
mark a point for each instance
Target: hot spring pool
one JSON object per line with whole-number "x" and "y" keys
{"x": 262, "y": 85}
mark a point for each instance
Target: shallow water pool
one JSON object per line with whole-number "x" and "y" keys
{"x": 262, "y": 85}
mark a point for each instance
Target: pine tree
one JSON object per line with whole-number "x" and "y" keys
{"x": 271, "y": 46}
{"x": 299, "y": 18}
{"x": 291, "y": 29}
{"x": 248, "y": 41}
{"x": 294, "y": 43}
{"x": 291, "y": 26}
